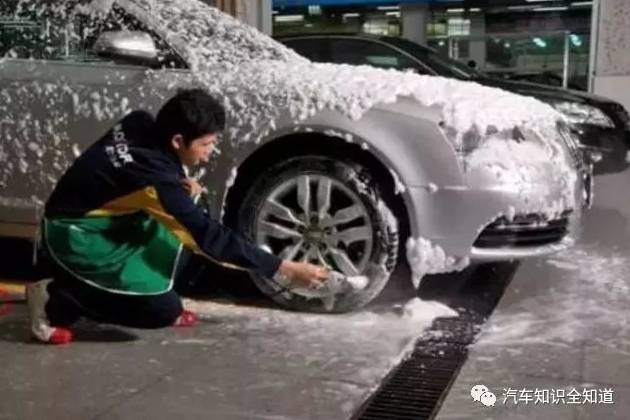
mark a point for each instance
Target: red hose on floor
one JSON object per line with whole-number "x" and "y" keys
{"x": 6, "y": 305}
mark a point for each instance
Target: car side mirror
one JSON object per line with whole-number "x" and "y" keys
{"x": 129, "y": 46}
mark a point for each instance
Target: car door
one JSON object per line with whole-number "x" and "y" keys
{"x": 58, "y": 97}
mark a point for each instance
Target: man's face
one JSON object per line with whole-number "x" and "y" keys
{"x": 197, "y": 152}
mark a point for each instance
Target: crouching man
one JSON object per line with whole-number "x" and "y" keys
{"x": 115, "y": 223}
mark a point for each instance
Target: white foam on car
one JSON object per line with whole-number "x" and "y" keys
{"x": 338, "y": 282}
{"x": 399, "y": 186}
{"x": 358, "y": 282}
{"x": 427, "y": 258}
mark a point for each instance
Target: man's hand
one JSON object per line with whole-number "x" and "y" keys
{"x": 303, "y": 275}
{"x": 193, "y": 186}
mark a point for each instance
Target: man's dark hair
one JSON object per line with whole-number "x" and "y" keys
{"x": 192, "y": 113}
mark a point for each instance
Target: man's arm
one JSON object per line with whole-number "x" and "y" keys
{"x": 196, "y": 230}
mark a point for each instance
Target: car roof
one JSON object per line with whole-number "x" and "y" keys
{"x": 397, "y": 42}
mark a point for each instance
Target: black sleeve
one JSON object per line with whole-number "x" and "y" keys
{"x": 218, "y": 242}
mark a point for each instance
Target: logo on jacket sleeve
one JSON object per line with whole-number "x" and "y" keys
{"x": 119, "y": 153}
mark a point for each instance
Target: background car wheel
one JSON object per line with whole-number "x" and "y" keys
{"x": 324, "y": 211}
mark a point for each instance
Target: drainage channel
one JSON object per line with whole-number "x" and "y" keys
{"x": 415, "y": 389}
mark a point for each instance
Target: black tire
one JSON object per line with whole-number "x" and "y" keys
{"x": 383, "y": 257}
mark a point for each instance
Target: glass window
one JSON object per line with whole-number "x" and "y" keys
{"x": 312, "y": 48}
{"x": 357, "y": 52}
{"x": 458, "y": 26}
{"x": 31, "y": 33}
{"x": 443, "y": 66}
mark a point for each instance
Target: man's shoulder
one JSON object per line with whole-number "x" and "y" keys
{"x": 139, "y": 117}
{"x": 131, "y": 146}
{"x": 138, "y": 127}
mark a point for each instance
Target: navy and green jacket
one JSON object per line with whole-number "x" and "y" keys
{"x": 119, "y": 215}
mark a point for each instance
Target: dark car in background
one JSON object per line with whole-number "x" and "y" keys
{"x": 548, "y": 78}
{"x": 602, "y": 125}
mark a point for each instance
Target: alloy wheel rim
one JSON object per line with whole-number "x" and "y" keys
{"x": 317, "y": 219}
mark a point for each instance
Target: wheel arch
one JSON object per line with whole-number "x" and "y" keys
{"x": 315, "y": 143}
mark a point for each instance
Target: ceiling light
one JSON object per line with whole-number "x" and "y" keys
{"x": 576, "y": 40}
{"x": 289, "y": 18}
{"x": 540, "y": 42}
{"x": 532, "y": 7}
{"x": 551, "y": 9}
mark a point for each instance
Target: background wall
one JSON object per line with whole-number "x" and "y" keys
{"x": 611, "y": 61}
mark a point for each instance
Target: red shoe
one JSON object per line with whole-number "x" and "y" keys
{"x": 60, "y": 335}
{"x": 186, "y": 319}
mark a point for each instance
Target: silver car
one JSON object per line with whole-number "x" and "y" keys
{"x": 340, "y": 165}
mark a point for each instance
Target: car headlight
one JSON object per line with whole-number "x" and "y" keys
{"x": 578, "y": 113}
{"x": 572, "y": 143}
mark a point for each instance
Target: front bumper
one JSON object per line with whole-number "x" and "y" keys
{"x": 453, "y": 217}
{"x": 503, "y": 254}
{"x": 525, "y": 236}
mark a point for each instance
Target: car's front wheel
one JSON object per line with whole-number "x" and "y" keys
{"x": 327, "y": 212}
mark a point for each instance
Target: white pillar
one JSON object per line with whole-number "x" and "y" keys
{"x": 257, "y": 13}
{"x": 265, "y": 17}
{"x": 478, "y": 43}
{"x": 610, "y": 60}
{"x": 414, "y": 19}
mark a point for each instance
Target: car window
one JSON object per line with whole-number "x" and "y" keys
{"x": 444, "y": 66}
{"x": 357, "y": 52}
{"x": 29, "y": 33}
{"x": 90, "y": 27}
{"x": 315, "y": 49}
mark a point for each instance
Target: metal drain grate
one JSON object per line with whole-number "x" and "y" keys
{"x": 414, "y": 390}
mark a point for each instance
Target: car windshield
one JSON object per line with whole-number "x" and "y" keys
{"x": 203, "y": 34}
{"x": 443, "y": 66}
